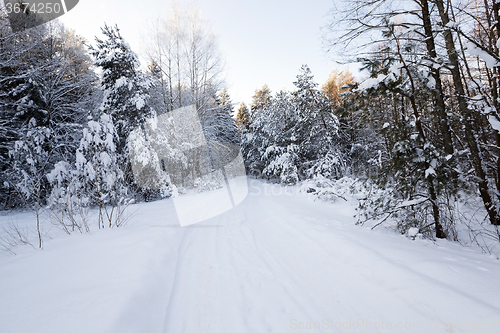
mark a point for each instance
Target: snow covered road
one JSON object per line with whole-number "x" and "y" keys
{"x": 276, "y": 263}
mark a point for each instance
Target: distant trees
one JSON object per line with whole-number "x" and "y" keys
{"x": 215, "y": 117}
{"x": 243, "y": 117}
{"x": 261, "y": 99}
{"x": 186, "y": 67}
{"x": 185, "y": 58}
{"x": 268, "y": 146}
{"x": 338, "y": 83}
{"x": 292, "y": 135}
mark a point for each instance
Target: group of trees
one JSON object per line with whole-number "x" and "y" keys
{"x": 432, "y": 101}
{"x": 423, "y": 128}
{"x": 183, "y": 57}
{"x": 59, "y": 121}
{"x": 64, "y": 129}
{"x": 291, "y": 135}
{"x": 46, "y": 88}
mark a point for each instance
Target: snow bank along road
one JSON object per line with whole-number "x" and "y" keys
{"x": 276, "y": 263}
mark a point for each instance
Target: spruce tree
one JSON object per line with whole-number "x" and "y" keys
{"x": 126, "y": 96}
{"x": 260, "y": 99}
{"x": 242, "y": 117}
{"x": 125, "y": 86}
{"x": 316, "y": 128}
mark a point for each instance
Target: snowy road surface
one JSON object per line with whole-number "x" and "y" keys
{"x": 276, "y": 263}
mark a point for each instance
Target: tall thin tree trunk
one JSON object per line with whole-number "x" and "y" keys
{"x": 435, "y": 211}
{"x": 495, "y": 36}
{"x": 432, "y": 192}
{"x": 438, "y": 91}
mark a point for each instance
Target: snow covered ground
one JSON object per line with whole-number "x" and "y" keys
{"x": 278, "y": 262}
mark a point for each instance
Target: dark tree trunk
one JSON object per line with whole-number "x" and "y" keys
{"x": 438, "y": 91}
{"x": 432, "y": 191}
{"x": 435, "y": 212}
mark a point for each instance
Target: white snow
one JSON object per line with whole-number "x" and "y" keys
{"x": 489, "y": 60}
{"x": 413, "y": 232}
{"x": 371, "y": 82}
{"x": 121, "y": 82}
{"x": 278, "y": 262}
{"x": 80, "y": 159}
{"x": 140, "y": 103}
{"x": 413, "y": 202}
{"x": 494, "y": 122}
{"x": 431, "y": 84}
{"x": 105, "y": 159}
{"x": 59, "y": 169}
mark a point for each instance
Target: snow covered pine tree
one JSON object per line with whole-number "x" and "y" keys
{"x": 126, "y": 93}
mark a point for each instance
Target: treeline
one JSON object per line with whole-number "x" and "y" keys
{"x": 423, "y": 128}
{"x": 292, "y": 135}
{"x": 67, "y": 108}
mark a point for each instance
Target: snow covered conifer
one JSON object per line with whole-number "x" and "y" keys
{"x": 281, "y": 153}
{"x": 217, "y": 123}
{"x": 293, "y": 135}
{"x": 316, "y": 127}
{"x": 126, "y": 93}
{"x": 261, "y": 99}
{"x": 242, "y": 117}
{"x": 125, "y": 86}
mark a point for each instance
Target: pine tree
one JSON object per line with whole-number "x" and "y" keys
{"x": 216, "y": 120}
{"x": 260, "y": 99}
{"x": 243, "y": 117}
{"x": 125, "y": 86}
{"x": 281, "y": 152}
{"x": 316, "y": 128}
{"x": 126, "y": 95}
{"x": 293, "y": 135}
{"x": 337, "y": 84}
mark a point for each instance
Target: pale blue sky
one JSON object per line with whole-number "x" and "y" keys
{"x": 262, "y": 41}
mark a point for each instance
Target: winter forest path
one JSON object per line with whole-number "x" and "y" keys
{"x": 278, "y": 262}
